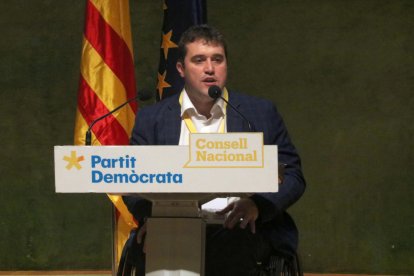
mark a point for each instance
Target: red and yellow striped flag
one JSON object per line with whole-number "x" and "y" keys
{"x": 106, "y": 81}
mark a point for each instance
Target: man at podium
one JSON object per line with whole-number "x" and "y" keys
{"x": 257, "y": 234}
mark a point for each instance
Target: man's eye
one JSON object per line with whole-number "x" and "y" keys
{"x": 198, "y": 59}
{"x": 218, "y": 59}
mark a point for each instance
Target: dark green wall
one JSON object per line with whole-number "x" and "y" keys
{"x": 341, "y": 73}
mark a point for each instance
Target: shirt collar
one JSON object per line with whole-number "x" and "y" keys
{"x": 218, "y": 108}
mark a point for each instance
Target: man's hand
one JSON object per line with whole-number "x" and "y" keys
{"x": 244, "y": 211}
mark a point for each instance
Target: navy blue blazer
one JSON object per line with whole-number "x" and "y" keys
{"x": 160, "y": 124}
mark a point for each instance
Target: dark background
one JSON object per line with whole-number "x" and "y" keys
{"x": 341, "y": 73}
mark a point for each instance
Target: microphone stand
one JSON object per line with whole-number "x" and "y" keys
{"x": 143, "y": 95}
{"x": 88, "y": 135}
{"x": 215, "y": 93}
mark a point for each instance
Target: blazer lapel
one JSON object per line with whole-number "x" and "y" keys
{"x": 235, "y": 122}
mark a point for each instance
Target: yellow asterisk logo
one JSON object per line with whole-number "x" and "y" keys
{"x": 73, "y": 160}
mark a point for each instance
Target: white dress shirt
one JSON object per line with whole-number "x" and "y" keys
{"x": 204, "y": 125}
{"x": 201, "y": 123}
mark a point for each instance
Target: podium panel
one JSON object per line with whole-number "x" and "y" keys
{"x": 167, "y": 169}
{"x": 169, "y": 250}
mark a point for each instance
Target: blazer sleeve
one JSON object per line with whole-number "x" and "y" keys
{"x": 143, "y": 132}
{"x": 271, "y": 205}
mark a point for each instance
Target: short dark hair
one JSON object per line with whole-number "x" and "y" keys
{"x": 204, "y": 32}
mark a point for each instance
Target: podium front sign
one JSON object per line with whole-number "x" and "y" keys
{"x": 233, "y": 163}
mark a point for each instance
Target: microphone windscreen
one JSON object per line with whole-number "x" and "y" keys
{"x": 214, "y": 92}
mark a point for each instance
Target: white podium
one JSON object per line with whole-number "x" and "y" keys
{"x": 177, "y": 179}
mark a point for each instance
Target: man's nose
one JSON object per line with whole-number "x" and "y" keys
{"x": 209, "y": 67}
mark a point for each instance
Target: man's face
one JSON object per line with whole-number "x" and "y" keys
{"x": 204, "y": 65}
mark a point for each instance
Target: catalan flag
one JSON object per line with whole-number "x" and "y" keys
{"x": 106, "y": 81}
{"x": 178, "y": 17}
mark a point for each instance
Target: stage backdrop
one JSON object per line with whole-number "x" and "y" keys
{"x": 340, "y": 72}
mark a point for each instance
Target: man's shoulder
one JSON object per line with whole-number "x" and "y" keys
{"x": 166, "y": 104}
{"x": 240, "y": 98}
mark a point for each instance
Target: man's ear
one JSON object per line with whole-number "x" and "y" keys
{"x": 180, "y": 68}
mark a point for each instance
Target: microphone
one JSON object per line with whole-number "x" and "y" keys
{"x": 215, "y": 93}
{"x": 143, "y": 95}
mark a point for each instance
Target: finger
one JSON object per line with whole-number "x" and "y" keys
{"x": 144, "y": 248}
{"x": 225, "y": 210}
{"x": 232, "y": 220}
{"x": 139, "y": 237}
{"x": 243, "y": 223}
{"x": 252, "y": 226}
{"x": 141, "y": 233}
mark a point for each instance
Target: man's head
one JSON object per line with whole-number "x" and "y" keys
{"x": 202, "y": 61}
{"x": 200, "y": 32}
